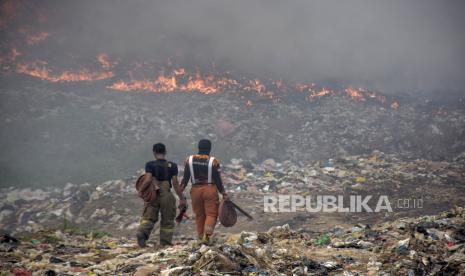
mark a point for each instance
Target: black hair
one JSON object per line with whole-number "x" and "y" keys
{"x": 205, "y": 146}
{"x": 159, "y": 148}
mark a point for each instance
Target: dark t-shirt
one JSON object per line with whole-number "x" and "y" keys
{"x": 157, "y": 169}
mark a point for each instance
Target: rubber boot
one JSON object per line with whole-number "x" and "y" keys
{"x": 141, "y": 239}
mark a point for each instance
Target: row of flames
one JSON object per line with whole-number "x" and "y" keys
{"x": 167, "y": 81}
{"x": 180, "y": 80}
{"x": 39, "y": 69}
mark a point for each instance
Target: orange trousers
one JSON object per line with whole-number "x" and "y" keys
{"x": 205, "y": 203}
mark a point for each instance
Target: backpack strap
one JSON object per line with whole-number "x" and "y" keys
{"x": 191, "y": 168}
{"x": 210, "y": 169}
{"x": 166, "y": 167}
{"x": 167, "y": 171}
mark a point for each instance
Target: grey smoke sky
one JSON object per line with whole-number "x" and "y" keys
{"x": 391, "y": 45}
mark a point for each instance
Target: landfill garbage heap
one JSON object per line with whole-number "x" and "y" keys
{"x": 427, "y": 245}
{"x": 439, "y": 184}
{"x": 68, "y": 124}
{"x": 66, "y": 230}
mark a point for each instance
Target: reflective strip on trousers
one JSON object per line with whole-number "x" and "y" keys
{"x": 145, "y": 221}
{"x": 167, "y": 229}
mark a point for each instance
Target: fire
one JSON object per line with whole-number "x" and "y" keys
{"x": 162, "y": 84}
{"x": 36, "y": 38}
{"x": 207, "y": 85}
{"x": 105, "y": 62}
{"x": 180, "y": 71}
{"x": 166, "y": 81}
{"x": 317, "y": 94}
{"x": 255, "y": 85}
{"x": 177, "y": 80}
{"x": 355, "y": 94}
{"x": 40, "y": 71}
{"x": 180, "y": 80}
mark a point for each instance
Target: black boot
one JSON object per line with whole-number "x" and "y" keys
{"x": 141, "y": 239}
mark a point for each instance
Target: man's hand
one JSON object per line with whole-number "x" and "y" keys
{"x": 182, "y": 209}
{"x": 182, "y": 202}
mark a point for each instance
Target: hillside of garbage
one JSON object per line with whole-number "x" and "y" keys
{"x": 113, "y": 205}
{"x": 89, "y": 229}
{"x": 106, "y": 134}
{"x": 427, "y": 245}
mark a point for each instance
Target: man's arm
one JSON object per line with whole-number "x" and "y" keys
{"x": 186, "y": 177}
{"x": 147, "y": 180}
{"x": 177, "y": 188}
{"x": 217, "y": 178}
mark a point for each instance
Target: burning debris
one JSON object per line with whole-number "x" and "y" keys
{"x": 170, "y": 83}
{"x": 39, "y": 70}
{"x": 20, "y": 54}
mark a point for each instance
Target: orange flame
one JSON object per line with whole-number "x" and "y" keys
{"x": 181, "y": 80}
{"x": 40, "y": 71}
{"x": 394, "y": 105}
{"x": 255, "y": 85}
{"x": 317, "y": 94}
{"x": 105, "y": 62}
{"x": 355, "y": 94}
{"x": 180, "y": 71}
{"x": 177, "y": 80}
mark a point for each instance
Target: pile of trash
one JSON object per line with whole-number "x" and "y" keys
{"x": 99, "y": 206}
{"x": 433, "y": 245}
{"x": 72, "y": 124}
{"x": 330, "y": 126}
{"x": 368, "y": 172}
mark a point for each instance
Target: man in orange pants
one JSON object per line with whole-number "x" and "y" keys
{"x": 205, "y": 175}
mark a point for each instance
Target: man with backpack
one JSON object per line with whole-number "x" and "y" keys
{"x": 204, "y": 172}
{"x": 160, "y": 176}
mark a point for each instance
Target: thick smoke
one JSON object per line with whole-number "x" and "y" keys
{"x": 387, "y": 45}
{"x": 54, "y": 133}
